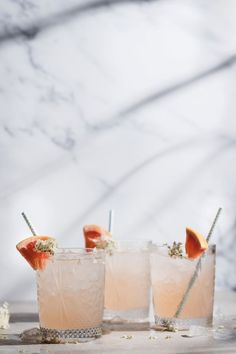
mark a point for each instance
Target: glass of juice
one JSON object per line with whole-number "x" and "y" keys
{"x": 71, "y": 295}
{"x": 127, "y": 284}
{"x": 170, "y": 277}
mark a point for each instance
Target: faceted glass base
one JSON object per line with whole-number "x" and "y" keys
{"x": 182, "y": 324}
{"x": 70, "y": 335}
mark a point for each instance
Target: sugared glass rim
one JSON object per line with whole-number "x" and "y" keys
{"x": 124, "y": 245}
{"x": 78, "y": 253}
{"x": 78, "y": 250}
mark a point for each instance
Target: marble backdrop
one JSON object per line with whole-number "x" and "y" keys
{"x": 122, "y": 104}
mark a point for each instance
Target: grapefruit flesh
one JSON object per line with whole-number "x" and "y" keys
{"x": 195, "y": 244}
{"x": 92, "y": 233}
{"x": 36, "y": 259}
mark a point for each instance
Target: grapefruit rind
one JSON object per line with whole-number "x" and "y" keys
{"x": 195, "y": 244}
{"x": 37, "y": 259}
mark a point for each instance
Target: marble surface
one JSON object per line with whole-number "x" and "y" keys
{"x": 116, "y": 104}
{"x": 220, "y": 339}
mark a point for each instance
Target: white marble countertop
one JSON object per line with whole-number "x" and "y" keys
{"x": 220, "y": 339}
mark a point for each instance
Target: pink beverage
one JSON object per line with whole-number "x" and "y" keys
{"x": 71, "y": 295}
{"x": 127, "y": 285}
{"x": 170, "y": 278}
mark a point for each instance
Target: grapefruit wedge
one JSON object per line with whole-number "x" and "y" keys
{"x": 195, "y": 244}
{"x": 37, "y": 259}
{"x": 92, "y": 233}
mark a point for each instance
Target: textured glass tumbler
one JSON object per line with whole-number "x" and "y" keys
{"x": 127, "y": 285}
{"x": 71, "y": 295}
{"x": 170, "y": 278}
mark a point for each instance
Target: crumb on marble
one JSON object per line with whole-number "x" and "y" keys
{"x": 127, "y": 337}
{"x": 152, "y": 337}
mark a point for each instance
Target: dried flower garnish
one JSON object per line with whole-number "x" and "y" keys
{"x": 45, "y": 246}
{"x": 106, "y": 243}
{"x": 176, "y": 250}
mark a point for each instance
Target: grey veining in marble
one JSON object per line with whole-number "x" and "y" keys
{"x": 116, "y": 104}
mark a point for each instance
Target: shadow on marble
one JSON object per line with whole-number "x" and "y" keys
{"x": 32, "y": 31}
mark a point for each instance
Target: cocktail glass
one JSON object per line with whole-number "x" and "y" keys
{"x": 71, "y": 295}
{"x": 127, "y": 284}
{"x": 170, "y": 278}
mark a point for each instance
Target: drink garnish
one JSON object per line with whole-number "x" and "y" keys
{"x": 97, "y": 237}
{"x": 176, "y": 250}
{"x": 37, "y": 250}
{"x": 195, "y": 244}
{"x": 106, "y": 243}
{"x": 48, "y": 245}
{"x": 92, "y": 233}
